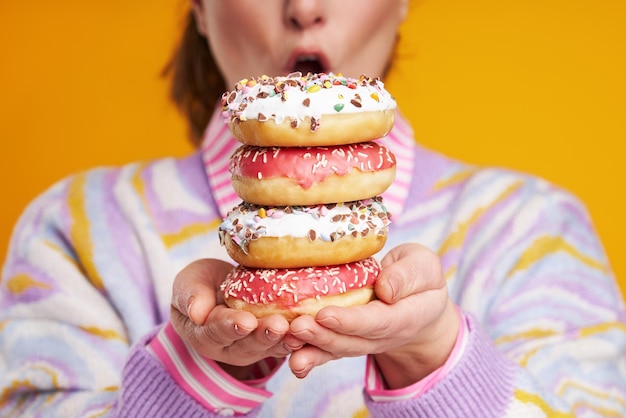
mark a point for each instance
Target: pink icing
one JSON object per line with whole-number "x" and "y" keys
{"x": 309, "y": 165}
{"x": 287, "y": 287}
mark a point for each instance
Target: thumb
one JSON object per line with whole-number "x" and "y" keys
{"x": 196, "y": 288}
{"x": 406, "y": 270}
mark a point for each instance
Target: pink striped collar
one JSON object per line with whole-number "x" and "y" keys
{"x": 218, "y": 145}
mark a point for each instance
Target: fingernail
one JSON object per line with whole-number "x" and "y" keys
{"x": 271, "y": 335}
{"x": 391, "y": 290}
{"x": 241, "y": 330}
{"x": 303, "y": 335}
{"x": 303, "y": 372}
{"x": 190, "y": 301}
{"x": 293, "y": 347}
{"x": 329, "y": 322}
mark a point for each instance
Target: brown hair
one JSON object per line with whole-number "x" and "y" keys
{"x": 196, "y": 81}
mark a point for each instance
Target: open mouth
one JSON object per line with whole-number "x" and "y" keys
{"x": 309, "y": 64}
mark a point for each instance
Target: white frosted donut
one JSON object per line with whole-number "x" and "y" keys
{"x": 282, "y": 176}
{"x": 300, "y": 291}
{"x": 313, "y": 110}
{"x": 298, "y": 236}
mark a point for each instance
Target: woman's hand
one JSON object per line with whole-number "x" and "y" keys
{"x": 411, "y": 328}
{"x": 233, "y": 338}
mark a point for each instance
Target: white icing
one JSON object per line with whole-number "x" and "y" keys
{"x": 261, "y": 96}
{"x": 330, "y": 222}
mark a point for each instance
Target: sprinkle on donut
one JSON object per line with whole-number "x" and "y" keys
{"x": 309, "y": 165}
{"x": 330, "y": 222}
{"x": 294, "y": 97}
{"x": 308, "y": 143}
{"x": 288, "y": 287}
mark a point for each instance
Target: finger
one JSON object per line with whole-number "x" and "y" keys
{"x": 379, "y": 321}
{"x": 375, "y": 326}
{"x": 223, "y": 327}
{"x": 244, "y": 337}
{"x": 268, "y": 337}
{"x": 292, "y": 343}
{"x": 374, "y": 320}
{"x": 307, "y": 330}
{"x": 304, "y": 360}
{"x": 408, "y": 269}
{"x": 226, "y": 326}
{"x": 195, "y": 288}
{"x": 269, "y": 332}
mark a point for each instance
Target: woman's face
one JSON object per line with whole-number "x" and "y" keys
{"x": 250, "y": 38}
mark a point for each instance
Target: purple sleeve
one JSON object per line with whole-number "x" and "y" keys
{"x": 148, "y": 390}
{"x": 480, "y": 385}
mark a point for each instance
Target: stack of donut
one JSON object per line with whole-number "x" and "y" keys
{"x": 310, "y": 174}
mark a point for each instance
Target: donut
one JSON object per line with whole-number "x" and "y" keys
{"x": 282, "y": 176}
{"x": 300, "y": 291}
{"x": 301, "y": 236}
{"x": 313, "y": 110}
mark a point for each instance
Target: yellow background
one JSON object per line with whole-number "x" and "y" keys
{"x": 538, "y": 86}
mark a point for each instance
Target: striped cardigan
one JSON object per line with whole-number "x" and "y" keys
{"x": 87, "y": 284}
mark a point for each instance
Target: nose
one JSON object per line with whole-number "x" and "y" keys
{"x": 304, "y": 14}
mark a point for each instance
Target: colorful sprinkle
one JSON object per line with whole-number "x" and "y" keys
{"x": 256, "y": 98}
{"x": 248, "y": 222}
{"x": 288, "y": 287}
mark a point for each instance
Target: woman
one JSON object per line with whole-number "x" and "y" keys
{"x": 495, "y": 297}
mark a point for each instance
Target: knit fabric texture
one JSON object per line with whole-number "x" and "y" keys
{"x": 88, "y": 277}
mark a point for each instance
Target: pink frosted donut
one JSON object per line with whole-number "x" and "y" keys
{"x": 283, "y": 176}
{"x": 300, "y": 291}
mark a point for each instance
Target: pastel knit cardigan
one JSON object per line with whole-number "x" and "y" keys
{"x": 87, "y": 285}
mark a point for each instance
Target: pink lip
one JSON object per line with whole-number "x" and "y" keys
{"x": 299, "y": 53}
